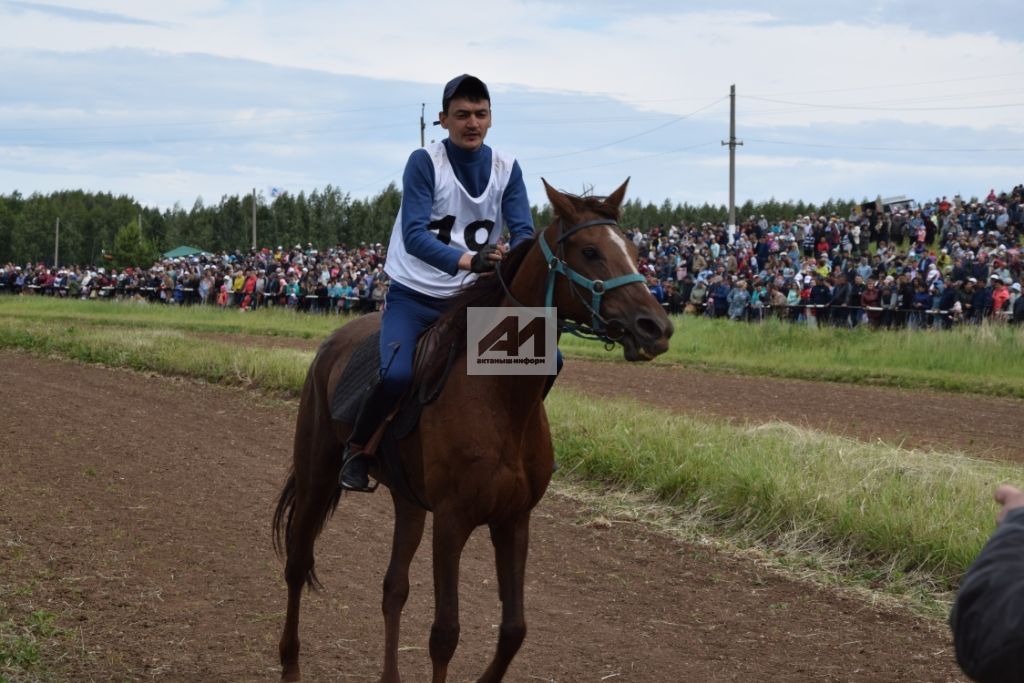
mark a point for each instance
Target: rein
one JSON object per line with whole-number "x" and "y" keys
{"x": 599, "y": 328}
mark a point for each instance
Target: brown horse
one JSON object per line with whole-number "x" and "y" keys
{"x": 482, "y": 452}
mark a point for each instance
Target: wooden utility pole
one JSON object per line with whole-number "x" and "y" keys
{"x": 56, "y": 242}
{"x": 423, "y": 125}
{"x": 733, "y": 142}
{"x": 254, "y": 218}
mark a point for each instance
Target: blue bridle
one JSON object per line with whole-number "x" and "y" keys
{"x": 598, "y": 326}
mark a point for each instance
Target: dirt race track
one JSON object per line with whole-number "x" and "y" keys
{"x": 138, "y": 510}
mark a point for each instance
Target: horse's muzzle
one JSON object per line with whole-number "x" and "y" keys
{"x": 645, "y": 337}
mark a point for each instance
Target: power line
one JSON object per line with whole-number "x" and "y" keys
{"x": 335, "y": 112}
{"x": 624, "y": 161}
{"x": 597, "y": 99}
{"x": 879, "y": 86}
{"x": 628, "y": 137}
{"x": 378, "y": 182}
{"x": 288, "y": 131}
{"x": 931, "y": 98}
{"x": 854, "y": 107}
{"x": 630, "y": 118}
{"x": 612, "y": 99}
{"x": 291, "y": 132}
{"x": 866, "y": 148}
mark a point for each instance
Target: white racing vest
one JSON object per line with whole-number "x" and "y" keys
{"x": 457, "y": 219}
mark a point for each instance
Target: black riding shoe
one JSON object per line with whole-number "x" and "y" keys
{"x": 355, "y": 473}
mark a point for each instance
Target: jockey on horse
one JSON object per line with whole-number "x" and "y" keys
{"x": 456, "y": 196}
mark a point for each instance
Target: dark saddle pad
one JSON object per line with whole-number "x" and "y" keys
{"x": 429, "y": 375}
{"x": 430, "y": 372}
{"x": 360, "y": 373}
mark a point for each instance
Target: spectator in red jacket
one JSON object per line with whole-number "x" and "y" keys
{"x": 1000, "y": 295}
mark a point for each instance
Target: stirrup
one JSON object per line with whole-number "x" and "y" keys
{"x": 358, "y": 487}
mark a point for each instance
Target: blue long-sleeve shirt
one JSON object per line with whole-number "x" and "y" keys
{"x": 473, "y": 170}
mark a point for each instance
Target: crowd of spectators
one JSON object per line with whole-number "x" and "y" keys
{"x": 336, "y": 280}
{"x": 933, "y": 265}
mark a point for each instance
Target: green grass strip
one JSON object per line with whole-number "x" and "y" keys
{"x": 986, "y": 360}
{"x": 906, "y": 511}
{"x": 167, "y": 352}
{"x": 281, "y": 322}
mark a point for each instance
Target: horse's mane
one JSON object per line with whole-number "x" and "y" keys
{"x": 486, "y": 290}
{"x": 450, "y": 328}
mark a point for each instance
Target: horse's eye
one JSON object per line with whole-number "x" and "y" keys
{"x": 591, "y": 253}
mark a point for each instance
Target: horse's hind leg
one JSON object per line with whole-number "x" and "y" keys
{"x": 409, "y": 521}
{"x": 313, "y": 497}
{"x": 511, "y": 540}
{"x": 295, "y": 575}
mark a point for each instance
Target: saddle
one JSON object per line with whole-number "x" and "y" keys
{"x": 436, "y": 350}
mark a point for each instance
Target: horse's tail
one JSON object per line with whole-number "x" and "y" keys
{"x": 282, "y": 524}
{"x": 313, "y": 467}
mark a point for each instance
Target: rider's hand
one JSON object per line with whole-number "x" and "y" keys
{"x": 1010, "y": 497}
{"x": 485, "y": 259}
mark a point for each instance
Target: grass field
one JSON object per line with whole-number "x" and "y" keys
{"x": 983, "y": 360}
{"x": 872, "y": 514}
{"x": 911, "y": 520}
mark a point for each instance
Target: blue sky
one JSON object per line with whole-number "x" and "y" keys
{"x": 168, "y": 102}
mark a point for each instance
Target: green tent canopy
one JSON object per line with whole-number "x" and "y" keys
{"x": 184, "y": 251}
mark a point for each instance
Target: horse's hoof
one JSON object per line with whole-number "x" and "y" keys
{"x": 291, "y": 675}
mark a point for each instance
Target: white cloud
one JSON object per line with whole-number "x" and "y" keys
{"x": 651, "y": 56}
{"x": 142, "y": 97}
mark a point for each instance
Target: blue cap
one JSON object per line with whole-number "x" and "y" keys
{"x": 457, "y": 83}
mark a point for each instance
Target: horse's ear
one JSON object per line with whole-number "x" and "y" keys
{"x": 560, "y": 204}
{"x": 615, "y": 198}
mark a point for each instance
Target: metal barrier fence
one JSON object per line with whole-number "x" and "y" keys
{"x": 753, "y": 312}
{"x": 154, "y": 292}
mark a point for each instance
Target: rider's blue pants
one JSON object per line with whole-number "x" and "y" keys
{"x": 406, "y": 314}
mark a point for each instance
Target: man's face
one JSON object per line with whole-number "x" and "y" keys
{"x": 467, "y": 123}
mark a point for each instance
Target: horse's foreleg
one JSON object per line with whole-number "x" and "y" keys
{"x": 450, "y": 535}
{"x": 409, "y": 521}
{"x": 511, "y": 541}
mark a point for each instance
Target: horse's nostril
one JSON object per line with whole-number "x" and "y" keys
{"x": 649, "y": 327}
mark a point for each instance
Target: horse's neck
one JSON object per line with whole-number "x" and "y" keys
{"x": 529, "y": 286}
{"x": 518, "y": 393}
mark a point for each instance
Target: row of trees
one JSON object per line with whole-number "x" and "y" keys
{"x": 100, "y": 226}
{"x": 636, "y": 214}
{"x": 90, "y": 223}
